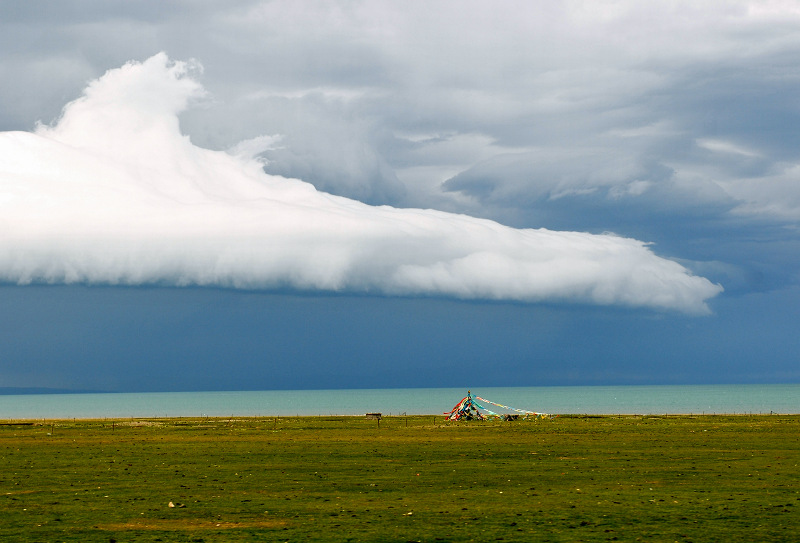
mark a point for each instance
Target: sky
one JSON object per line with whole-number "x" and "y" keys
{"x": 257, "y": 195}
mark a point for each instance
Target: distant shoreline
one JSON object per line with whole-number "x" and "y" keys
{"x": 155, "y": 421}
{"x": 587, "y": 400}
{"x": 24, "y": 391}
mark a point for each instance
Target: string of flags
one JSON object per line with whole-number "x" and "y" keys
{"x": 469, "y": 409}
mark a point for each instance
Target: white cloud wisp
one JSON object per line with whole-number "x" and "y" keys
{"x": 114, "y": 194}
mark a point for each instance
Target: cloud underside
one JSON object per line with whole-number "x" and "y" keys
{"x": 113, "y": 193}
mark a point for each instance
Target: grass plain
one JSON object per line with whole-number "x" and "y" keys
{"x": 416, "y": 478}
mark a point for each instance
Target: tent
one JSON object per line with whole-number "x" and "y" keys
{"x": 466, "y": 409}
{"x": 469, "y": 409}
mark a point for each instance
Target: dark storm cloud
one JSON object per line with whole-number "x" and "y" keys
{"x": 114, "y": 194}
{"x": 577, "y": 115}
{"x": 593, "y": 93}
{"x": 668, "y": 122}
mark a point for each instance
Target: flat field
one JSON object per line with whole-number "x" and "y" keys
{"x": 676, "y": 478}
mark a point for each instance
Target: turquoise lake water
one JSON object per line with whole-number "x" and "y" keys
{"x": 554, "y": 400}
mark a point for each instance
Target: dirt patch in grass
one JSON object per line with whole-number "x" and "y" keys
{"x": 140, "y": 423}
{"x": 188, "y": 524}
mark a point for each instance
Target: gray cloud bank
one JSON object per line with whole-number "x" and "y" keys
{"x": 113, "y": 193}
{"x": 499, "y": 111}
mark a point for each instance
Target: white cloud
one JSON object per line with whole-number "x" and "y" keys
{"x": 113, "y": 193}
{"x": 725, "y": 147}
{"x": 773, "y": 195}
{"x": 638, "y": 82}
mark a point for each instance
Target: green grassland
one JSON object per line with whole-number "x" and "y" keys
{"x": 676, "y": 478}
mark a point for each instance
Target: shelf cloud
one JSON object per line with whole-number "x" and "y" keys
{"x": 114, "y": 194}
